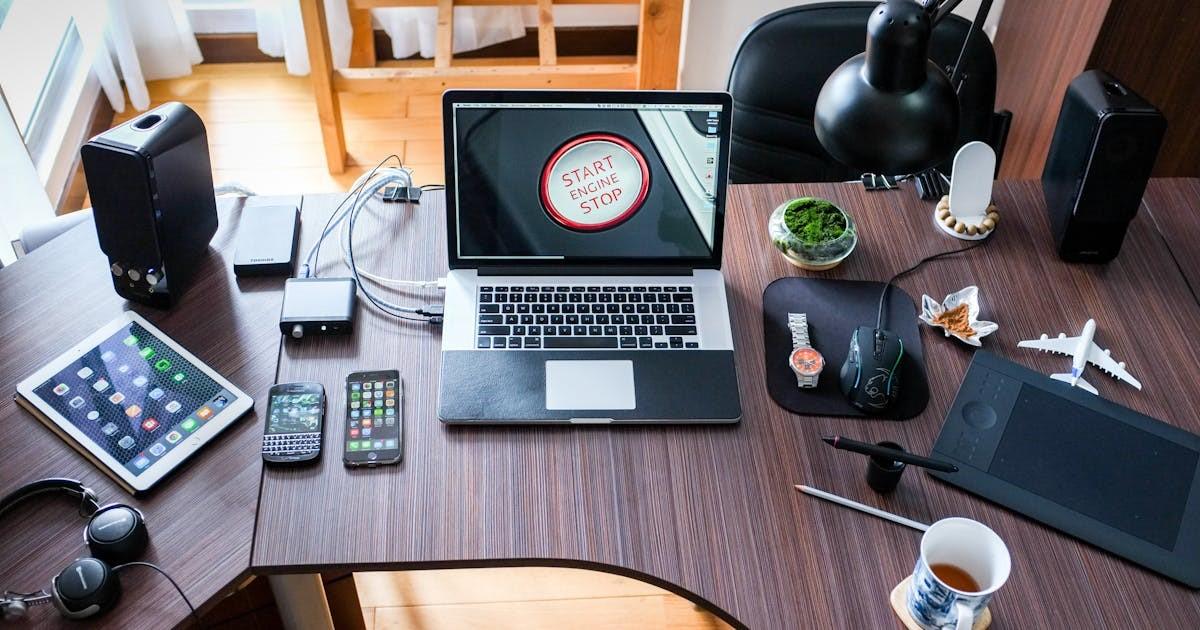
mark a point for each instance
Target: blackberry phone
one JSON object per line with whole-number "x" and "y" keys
{"x": 295, "y": 415}
{"x": 374, "y": 433}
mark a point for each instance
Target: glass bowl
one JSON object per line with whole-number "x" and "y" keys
{"x": 813, "y": 257}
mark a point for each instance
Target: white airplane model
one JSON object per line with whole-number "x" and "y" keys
{"x": 1083, "y": 351}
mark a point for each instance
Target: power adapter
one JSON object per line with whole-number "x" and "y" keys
{"x": 318, "y": 306}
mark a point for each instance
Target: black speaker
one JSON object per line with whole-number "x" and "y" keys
{"x": 152, "y": 193}
{"x": 1099, "y": 163}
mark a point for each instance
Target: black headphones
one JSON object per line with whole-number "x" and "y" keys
{"x": 115, "y": 534}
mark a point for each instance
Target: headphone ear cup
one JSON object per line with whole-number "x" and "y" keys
{"x": 86, "y": 588}
{"x": 117, "y": 534}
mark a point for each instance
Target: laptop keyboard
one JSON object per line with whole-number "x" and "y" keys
{"x": 556, "y": 317}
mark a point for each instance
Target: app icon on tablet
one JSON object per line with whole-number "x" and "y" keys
{"x": 139, "y": 381}
{"x": 174, "y": 436}
{"x": 147, "y": 353}
{"x": 124, "y": 369}
{"x": 141, "y": 462}
{"x": 158, "y": 449}
{"x": 179, "y": 377}
{"x": 130, "y": 340}
{"x": 172, "y": 406}
{"x": 107, "y": 356}
{"x": 162, "y": 365}
{"x": 189, "y": 425}
{"x": 76, "y": 402}
{"x": 133, "y": 411}
{"x": 125, "y": 442}
{"x": 109, "y": 429}
{"x": 100, "y": 385}
{"x": 93, "y": 415}
{"x": 156, "y": 393}
{"x": 84, "y": 372}
{"x": 116, "y": 398}
{"x": 149, "y": 424}
{"x": 204, "y": 413}
{"x": 61, "y": 389}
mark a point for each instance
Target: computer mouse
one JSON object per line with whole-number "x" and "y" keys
{"x": 870, "y": 377}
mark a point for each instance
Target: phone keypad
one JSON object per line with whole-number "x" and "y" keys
{"x": 291, "y": 443}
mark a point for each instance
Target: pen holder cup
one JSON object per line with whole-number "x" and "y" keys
{"x": 883, "y": 475}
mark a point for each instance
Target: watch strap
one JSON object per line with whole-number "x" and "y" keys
{"x": 798, "y": 324}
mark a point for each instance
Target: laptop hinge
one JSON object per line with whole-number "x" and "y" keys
{"x": 571, "y": 270}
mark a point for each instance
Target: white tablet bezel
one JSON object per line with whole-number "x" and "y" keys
{"x": 239, "y": 405}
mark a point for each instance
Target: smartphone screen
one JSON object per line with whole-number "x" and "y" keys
{"x": 374, "y": 418}
{"x": 294, "y": 414}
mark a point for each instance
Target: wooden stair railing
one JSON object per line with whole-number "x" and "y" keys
{"x": 655, "y": 67}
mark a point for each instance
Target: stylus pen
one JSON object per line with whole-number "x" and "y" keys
{"x": 855, "y": 505}
{"x": 883, "y": 452}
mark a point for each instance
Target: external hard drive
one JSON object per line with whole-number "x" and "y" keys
{"x": 266, "y": 241}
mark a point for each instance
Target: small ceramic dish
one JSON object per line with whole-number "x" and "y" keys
{"x": 944, "y": 315}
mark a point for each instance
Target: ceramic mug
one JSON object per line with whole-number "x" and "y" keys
{"x": 971, "y": 547}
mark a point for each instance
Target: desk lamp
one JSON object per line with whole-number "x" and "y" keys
{"x": 890, "y": 110}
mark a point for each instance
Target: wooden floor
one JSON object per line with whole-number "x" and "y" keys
{"x": 263, "y": 133}
{"x": 522, "y": 598}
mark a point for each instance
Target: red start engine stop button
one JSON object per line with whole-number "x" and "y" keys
{"x": 594, "y": 182}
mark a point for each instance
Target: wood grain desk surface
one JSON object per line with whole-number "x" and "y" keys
{"x": 710, "y": 511}
{"x": 201, "y": 518}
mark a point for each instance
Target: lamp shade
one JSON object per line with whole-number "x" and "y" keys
{"x": 890, "y": 110}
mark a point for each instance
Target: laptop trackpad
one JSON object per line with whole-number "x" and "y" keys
{"x": 589, "y": 385}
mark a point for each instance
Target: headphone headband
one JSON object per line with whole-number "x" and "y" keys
{"x": 88, "y": 501}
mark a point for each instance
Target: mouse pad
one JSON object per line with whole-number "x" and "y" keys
{"x": 835, "y": 308}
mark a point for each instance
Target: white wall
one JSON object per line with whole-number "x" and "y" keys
{"x": 714, "y": 28}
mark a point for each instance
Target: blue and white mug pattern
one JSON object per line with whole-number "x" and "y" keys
{"x": 934, "y": 606}
{"x": 971, "y": 546}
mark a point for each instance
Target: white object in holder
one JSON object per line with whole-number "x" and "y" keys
{"x": 970, "y": 191}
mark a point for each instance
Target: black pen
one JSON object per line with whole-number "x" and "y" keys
{"x": 883, "y": 452}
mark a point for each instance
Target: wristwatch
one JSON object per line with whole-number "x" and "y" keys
{"x": 804, "y": 360}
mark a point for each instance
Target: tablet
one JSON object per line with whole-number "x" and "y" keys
{"x": 1087, "y": 466}
{"x": 133, "y": 401}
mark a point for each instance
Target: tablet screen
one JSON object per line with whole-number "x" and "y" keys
{"x": 134, "y": 396}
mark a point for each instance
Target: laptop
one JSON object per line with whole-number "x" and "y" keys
{"x": 584, "y": 240}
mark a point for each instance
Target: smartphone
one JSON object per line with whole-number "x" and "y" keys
{"x": 374, "y": 432}
{"x": 295, "y": 423}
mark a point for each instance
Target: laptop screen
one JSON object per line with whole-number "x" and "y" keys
{"x": 587, "y": 182}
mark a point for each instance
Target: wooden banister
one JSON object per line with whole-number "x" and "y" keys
{"x": 656, "y": 65}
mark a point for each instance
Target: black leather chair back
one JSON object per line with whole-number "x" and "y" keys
{"x": 784, "y": 59}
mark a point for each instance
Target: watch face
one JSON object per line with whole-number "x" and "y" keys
{"x": 807, "y": 361}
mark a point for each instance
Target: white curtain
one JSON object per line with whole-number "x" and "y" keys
{"x": 281, "y": 32}
{"x": 137, "y": 41}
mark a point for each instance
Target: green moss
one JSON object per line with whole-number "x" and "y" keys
{"x": 814, "y": 221}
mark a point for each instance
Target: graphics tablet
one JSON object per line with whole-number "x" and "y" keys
{"x": 132, "y": 401}
{"x": 1091, "y": 468}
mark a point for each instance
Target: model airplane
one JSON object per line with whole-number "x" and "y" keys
{"x": 1083, "y": 351}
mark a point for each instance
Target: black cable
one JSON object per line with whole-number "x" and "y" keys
{"x": 316, "y": 257}
{"x": 897, "y": 276}
{"x": 191, "y": 608}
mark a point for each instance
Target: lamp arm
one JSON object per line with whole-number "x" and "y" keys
{"x": 985, "y": 7}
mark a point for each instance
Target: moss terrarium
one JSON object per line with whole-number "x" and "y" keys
{"x": 812, "y": 233}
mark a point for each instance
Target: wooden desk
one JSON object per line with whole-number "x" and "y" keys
{"x": 1174, "y": 205}
{"x": 201, "y": 518}
{"x": 708, "y": 512}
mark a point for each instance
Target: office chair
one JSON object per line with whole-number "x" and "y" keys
{"x": 784, "y": 59}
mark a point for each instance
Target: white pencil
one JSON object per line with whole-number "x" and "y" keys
{"x": 855, "y": 505}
